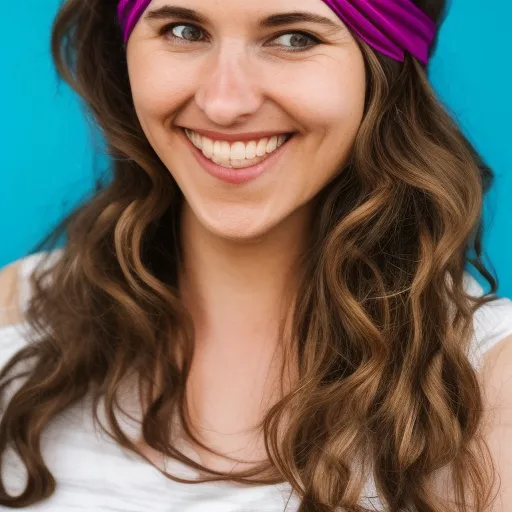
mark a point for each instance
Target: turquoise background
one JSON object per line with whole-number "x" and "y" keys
{"x": 48, "y": 150}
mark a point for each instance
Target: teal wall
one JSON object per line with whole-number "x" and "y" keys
{"x": 47, "y": 159}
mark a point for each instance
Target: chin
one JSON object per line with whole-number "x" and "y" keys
{"x": 238, "y": 231}
{"x": 236, "y": 225}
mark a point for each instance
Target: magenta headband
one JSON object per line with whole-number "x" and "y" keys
{"x": 391, "y": 27}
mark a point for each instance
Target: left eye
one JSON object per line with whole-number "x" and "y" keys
{"x": 297, "y": 40}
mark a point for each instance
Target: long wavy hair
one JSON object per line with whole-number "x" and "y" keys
{"x": 381, "y": 326}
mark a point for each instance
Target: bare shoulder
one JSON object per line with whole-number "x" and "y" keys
{"x": 9, "y": 294}
{"x": 496, "y": 376}
{"x": 496, "y": 369}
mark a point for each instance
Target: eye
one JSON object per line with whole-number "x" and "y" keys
{"x": 298, "y": 41}
{"x": 183, "y": 33}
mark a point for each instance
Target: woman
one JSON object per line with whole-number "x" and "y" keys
{"x": 270, "y": 293}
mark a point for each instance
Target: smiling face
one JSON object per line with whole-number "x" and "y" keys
{"x": 251, "y": 111}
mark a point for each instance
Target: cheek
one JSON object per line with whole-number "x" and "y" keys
{"x": 330, "y": 97}
{"x": 158, "y": 86}
{"x": 330, "y": 104}
{"x": 329, "y": 101}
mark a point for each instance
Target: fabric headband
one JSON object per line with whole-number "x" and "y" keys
{"x": 392, "y": 27}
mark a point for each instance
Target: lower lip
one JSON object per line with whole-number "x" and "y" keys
{"x": 232, "y": 175}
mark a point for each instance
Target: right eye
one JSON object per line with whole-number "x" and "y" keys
{"x": 181, "y": 32}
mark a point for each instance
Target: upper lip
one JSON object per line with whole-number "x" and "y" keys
{"x": 231, "y": 137}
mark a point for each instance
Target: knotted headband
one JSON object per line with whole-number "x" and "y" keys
{"x": 392, "y": 27}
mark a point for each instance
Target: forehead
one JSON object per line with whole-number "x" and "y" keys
{"x": 243, "y": 10}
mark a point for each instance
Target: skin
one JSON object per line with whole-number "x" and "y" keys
{"x": 241, "y": 241}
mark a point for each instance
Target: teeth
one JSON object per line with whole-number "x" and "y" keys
{"x": 207, "y": 146}
{"x": 261, "y": 148}
{"x": 238, "y": 153}
{"x": 272, "y": 144}
{"x": 250, "y": 150}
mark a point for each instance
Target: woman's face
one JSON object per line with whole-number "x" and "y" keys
{"x": 237, "y": 78}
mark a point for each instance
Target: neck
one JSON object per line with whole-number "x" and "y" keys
{"x": 240, "y": 290}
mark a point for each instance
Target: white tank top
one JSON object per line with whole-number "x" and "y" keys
{"x": 94, "y": 473}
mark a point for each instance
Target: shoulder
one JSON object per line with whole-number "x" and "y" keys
{"x": 10, "y": 311}
{"x": 14, "y": 279}
{"x": 492, "y": 322}
{"x": 15, "y": 284}
{"x": 15, "y": 293}
{"x": 496, "y": 381}
{"x": 493, "y": 339}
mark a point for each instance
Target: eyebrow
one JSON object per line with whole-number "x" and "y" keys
{"x": 275, "y": 20}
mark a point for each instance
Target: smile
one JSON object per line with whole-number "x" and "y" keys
{"x": 237, "y": 162}
{"x": 236, "y": 154}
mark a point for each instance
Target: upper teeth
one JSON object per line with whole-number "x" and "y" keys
{"x": 219, "y": 150}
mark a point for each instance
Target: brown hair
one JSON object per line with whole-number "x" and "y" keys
{"x": 383, "y": 372}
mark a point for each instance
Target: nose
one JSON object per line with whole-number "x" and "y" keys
{"x": 228, "y": 89}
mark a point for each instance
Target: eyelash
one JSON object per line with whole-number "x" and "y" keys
{"x": 168, "y": 28}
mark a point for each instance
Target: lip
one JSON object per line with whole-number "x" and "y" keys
{"x": 240, "y": 175}
{"x": 233, "y": 137}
